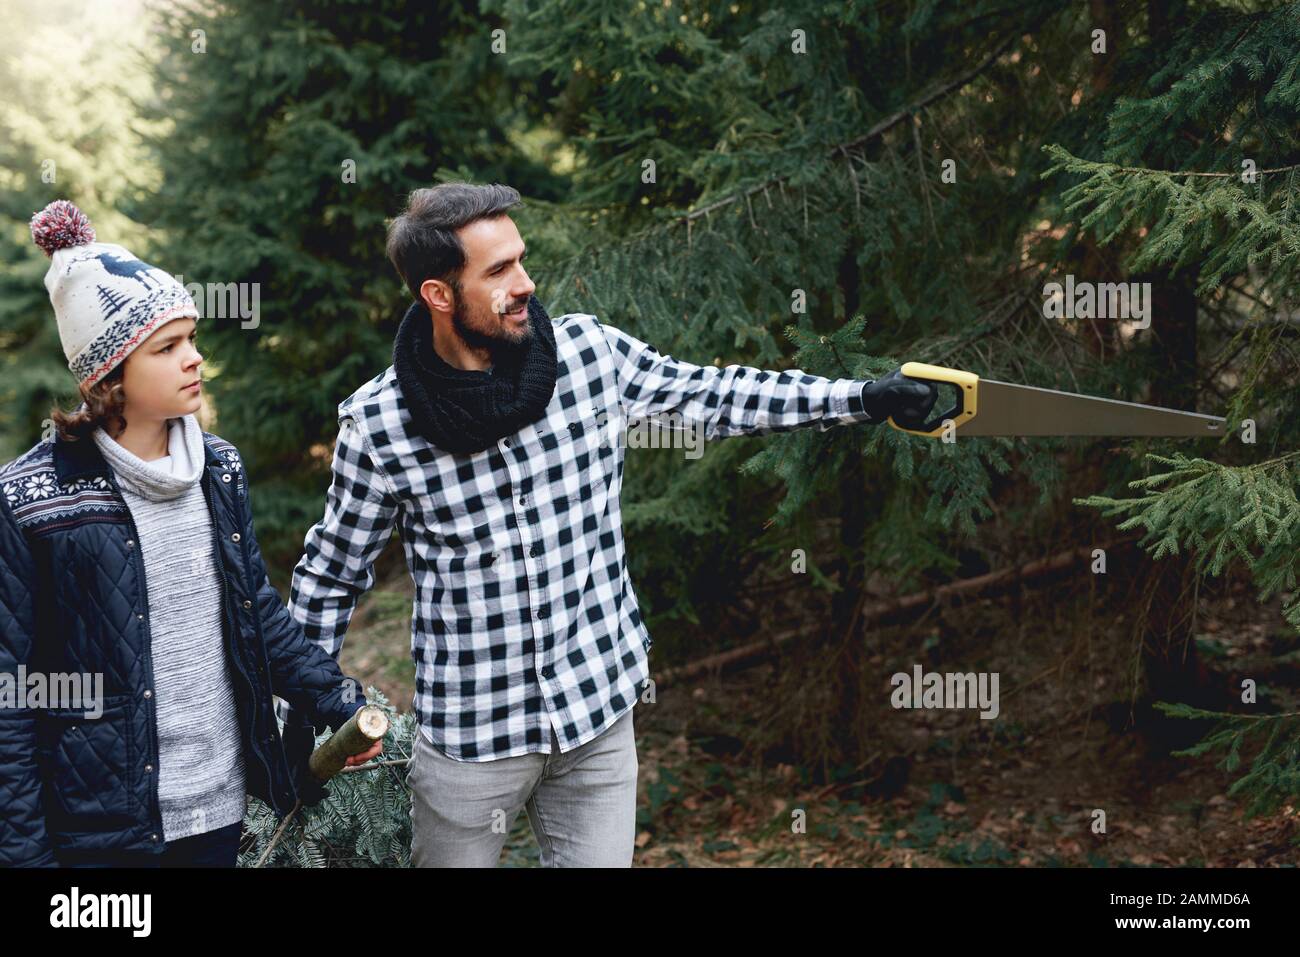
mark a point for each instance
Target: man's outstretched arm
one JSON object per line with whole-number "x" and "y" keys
{"x": 738, "y": 399}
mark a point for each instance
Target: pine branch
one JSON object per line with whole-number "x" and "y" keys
{"x": 778, "y": 182}
{"x": 1274, "y": 775}
{"x": 1250, "y": 513}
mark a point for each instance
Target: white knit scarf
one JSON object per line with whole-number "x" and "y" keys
{"x": 184, "y": 443}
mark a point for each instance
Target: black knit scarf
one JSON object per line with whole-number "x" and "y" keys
{"x": 462, "y": 410}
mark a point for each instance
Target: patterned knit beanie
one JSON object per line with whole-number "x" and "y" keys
{"x": 106, "y": 301}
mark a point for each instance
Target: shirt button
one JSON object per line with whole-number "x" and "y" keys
{"x": 130, "y": 543}
{"x": 548, "y": 672}
{"x": 139, "y": 616}
{"x": 234, "y": 537}
{"x": 225, "y": 477}
{"x": 153, "y": 837}
{"x": 247, "y": 603}
{"x": 148, "y": 767}
{"x": 533, "y": 550}
{"x": 544, "y": 613}
{"x": 506, "y": 443}
{"x": 523, "y": 500}
{"x": 148, "y": 693}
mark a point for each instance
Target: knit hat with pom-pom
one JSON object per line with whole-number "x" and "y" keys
{"x": 106, "y": 301}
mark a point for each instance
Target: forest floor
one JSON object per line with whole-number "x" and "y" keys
{"x": 942, "y": 790}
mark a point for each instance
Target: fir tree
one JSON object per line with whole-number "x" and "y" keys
{"x": 365, "y": 821}
{"x": 1198, "y": 178}
{"x": 64, "y": 134}
{"x": 109, "y": 301}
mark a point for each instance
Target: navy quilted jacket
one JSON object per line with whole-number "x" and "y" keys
{"x": 73, "y": 601}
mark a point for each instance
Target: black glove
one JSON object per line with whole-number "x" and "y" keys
{"x": 908, "y": 401}
{"x": 299, "y": 743}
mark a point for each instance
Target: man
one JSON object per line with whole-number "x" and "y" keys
{"x": 484, "y": 444}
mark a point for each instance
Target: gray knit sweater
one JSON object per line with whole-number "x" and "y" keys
{"x": 199, "y": 766}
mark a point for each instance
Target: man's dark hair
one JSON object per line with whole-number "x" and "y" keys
{"x": 422, "y": 241}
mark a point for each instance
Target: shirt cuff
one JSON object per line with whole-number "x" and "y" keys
{"x": 846, "y": 400}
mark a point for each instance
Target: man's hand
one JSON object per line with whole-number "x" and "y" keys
{"x": 907, "y": 401}
{"x": 365, "y": 756}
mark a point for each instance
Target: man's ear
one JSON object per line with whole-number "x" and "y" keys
{"x": 437, "y": 296}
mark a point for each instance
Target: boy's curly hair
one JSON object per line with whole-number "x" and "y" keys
{"x": 105, "y": 404}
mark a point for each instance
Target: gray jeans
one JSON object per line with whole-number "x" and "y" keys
{"x": 581, "y": 805}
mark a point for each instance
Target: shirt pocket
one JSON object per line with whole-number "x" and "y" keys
{"x": 589, "y": 433}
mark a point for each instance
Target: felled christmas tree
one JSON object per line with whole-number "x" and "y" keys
{"x": 364, "y": 822}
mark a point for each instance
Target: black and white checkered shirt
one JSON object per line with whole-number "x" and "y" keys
{"x": 524, "y": 616}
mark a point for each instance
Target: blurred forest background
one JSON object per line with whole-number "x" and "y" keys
{"x": 916, "y": 172}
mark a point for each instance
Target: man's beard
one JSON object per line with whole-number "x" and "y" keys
{"x": 497, "y": 344}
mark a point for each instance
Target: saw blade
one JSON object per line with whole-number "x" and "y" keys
{"x": 989, "y": 407}
{"x": 1012, "y": 410}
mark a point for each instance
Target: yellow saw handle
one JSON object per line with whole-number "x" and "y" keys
{"x": 967, "y": 387}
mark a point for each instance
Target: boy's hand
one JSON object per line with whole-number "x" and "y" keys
{"x": 299, "y": 742}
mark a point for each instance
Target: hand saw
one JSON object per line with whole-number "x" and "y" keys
{"x": 988, "y": 407}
